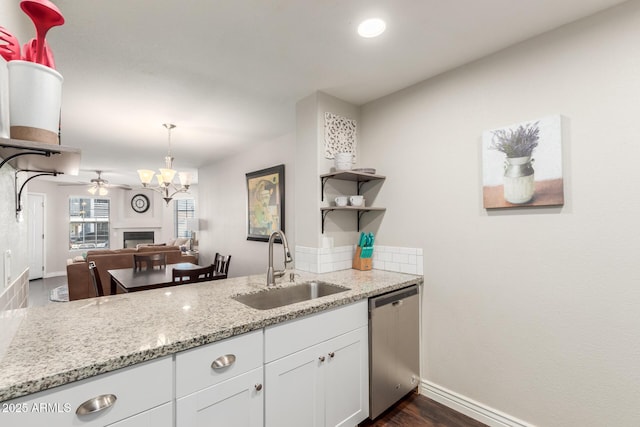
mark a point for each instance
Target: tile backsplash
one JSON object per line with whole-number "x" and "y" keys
{"x": 402, "y": 260}
{"x": 16, "y": 295}
{"x": 390, "y": 258}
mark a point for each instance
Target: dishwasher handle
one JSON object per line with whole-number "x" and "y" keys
{"x": 395, "y": 298}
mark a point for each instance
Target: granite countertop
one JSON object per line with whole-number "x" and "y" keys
{"x": 44, "y": 347}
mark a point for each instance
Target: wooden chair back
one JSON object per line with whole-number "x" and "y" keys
{"x": 221, "y": 263}
{"x": 193, "y": 275}
{"x": 95, "y": 279}
{"x": 148, "y": 262}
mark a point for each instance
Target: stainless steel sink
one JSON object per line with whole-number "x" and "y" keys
{"x": 273, "y": 298}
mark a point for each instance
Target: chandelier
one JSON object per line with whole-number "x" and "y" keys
{"x": 165, "y": 185}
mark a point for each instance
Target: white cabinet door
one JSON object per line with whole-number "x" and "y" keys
{"x": 347, "y": 379}
{"x": 162, "y": 416}
{"x": 294, "y": 387}
{"x": 237, "y": 402}
{"x": 323, "y": 385}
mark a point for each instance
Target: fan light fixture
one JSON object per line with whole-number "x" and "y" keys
{"x": 165, "y": 185}
{"x": 98, "y": 186}
{"x": 99, "y": 189}
{"x": 371, "y": 27}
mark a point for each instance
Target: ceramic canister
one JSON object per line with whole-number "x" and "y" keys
{"x": 35, "y": 97}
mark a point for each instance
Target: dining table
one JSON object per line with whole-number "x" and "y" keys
{"x": 132, "y": 280}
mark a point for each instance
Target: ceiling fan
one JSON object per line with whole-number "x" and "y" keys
{"x": 100, "y": 185}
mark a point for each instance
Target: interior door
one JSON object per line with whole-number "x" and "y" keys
{"x": 35, "y": 225}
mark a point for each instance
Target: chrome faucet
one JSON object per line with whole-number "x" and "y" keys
{"x": 271, "y": 274}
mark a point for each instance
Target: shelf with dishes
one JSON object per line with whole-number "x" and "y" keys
{"x": 360, "y": 177}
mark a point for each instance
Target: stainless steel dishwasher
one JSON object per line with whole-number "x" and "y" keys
{"x": 394, "y": 351}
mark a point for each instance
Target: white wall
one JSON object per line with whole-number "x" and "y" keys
{"x": 13, "y": 235}
{"x": 340, "y": 227}
{"x": 533, "y": 312}
{"x": 223, "y": 206}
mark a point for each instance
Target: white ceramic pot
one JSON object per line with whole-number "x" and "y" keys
{"x": 35, "y": 98}
{"x": 343, "y": 161}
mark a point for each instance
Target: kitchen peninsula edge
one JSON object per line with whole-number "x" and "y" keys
{"x": 45, "y": 347}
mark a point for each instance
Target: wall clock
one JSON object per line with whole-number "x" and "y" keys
{"x": 140, "y": 203}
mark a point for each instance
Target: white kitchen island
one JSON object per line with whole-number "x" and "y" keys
{"x": 121, "y": 340}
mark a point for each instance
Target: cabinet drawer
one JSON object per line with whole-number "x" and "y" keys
{"x": 137, "y": 388}
{"x": 194, "y": 369}
{"x": 162, "y": 416}
{"x": 313, "y": 329}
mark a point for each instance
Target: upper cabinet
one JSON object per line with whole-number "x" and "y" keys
{"x": 360, "y": 178}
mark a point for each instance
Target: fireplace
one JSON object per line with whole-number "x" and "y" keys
{"x": 133, "y": 238}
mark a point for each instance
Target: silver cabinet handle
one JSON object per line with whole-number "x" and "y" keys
{"x": 321, "y": 358}
{"x": 96, "y": 404}
{"x": 332, "y": 354}
{"x": 223, "y": 361}
{"x": 258, "y": 387}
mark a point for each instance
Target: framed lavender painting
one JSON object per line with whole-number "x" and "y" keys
{"x": 522, "y": 164}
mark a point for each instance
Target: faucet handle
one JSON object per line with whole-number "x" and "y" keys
{"x": 292, "y": 276}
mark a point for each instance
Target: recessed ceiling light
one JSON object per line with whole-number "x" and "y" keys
{"x": 371, "y": 27}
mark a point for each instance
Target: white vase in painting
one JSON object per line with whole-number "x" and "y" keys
{"x": 519, "y": 185}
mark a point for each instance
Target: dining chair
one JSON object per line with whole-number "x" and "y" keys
{"x": 95, "y": 279}
{"x": 221, "y": 263}
{"x": 193, "y": 275}
{"x": 148, "y": 262}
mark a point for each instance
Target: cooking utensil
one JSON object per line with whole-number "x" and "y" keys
{"x": 29, "y": 50}
{"x": 11, "y": 50}
{"x": 44, "y": 15}
{"x": 367, "y": 249}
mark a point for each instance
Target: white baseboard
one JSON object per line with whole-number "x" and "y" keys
{"x": 54, "y": 274}
{"x": 469, "y": 407}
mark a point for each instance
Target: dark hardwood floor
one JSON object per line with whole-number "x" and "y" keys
{"x": 417, "y": 410}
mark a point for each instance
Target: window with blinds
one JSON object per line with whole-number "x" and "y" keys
{"x": 88, "y": 223}
{"x": 185, "y": 209}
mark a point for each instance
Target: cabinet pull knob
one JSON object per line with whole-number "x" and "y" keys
{"x": 332, "y": 354}
{"x": 96, "y": 404}
{"x": 223, "y": 361}
{"x": 321, "y": 358}
{"x": 258, "y": 387}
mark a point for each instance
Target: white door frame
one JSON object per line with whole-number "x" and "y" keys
{"x": 44, "y": 233}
